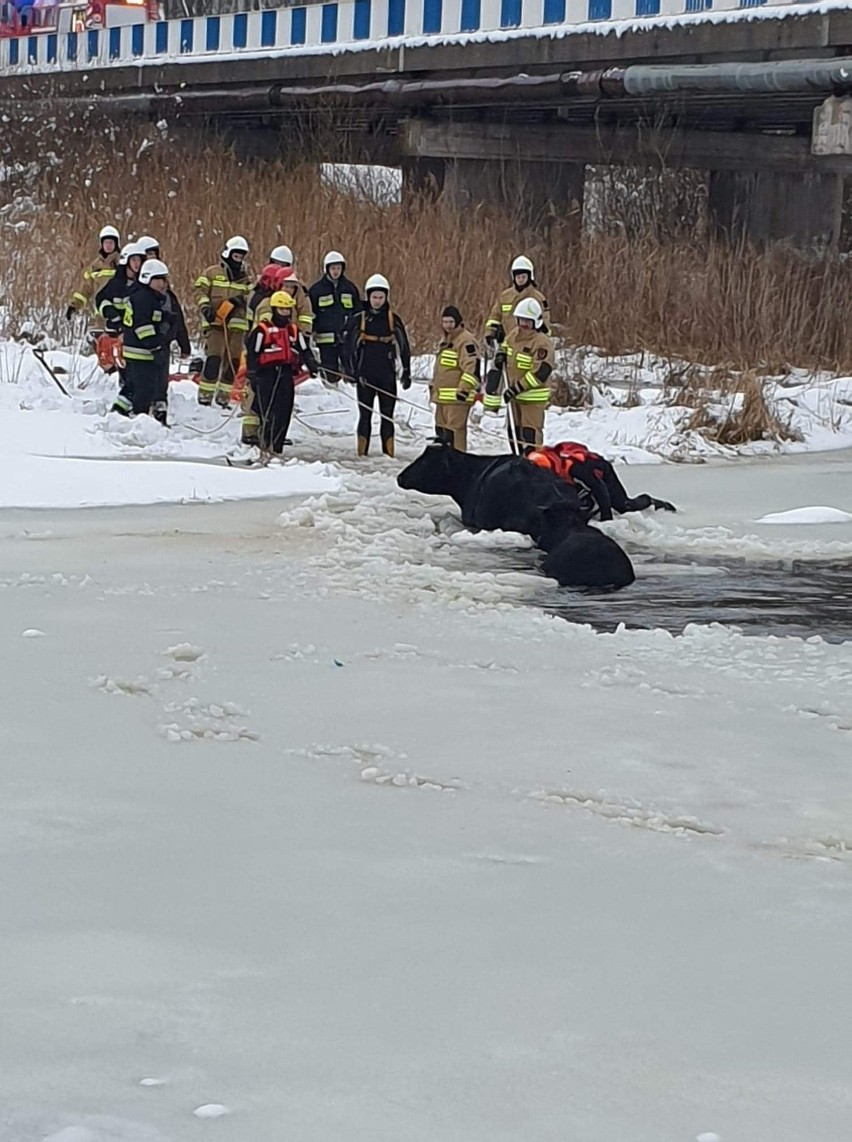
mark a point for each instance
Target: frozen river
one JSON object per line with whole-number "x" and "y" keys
{"x": 314, "y": 820}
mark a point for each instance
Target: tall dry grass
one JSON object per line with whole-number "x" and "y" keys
{"x": 694, "y": 300}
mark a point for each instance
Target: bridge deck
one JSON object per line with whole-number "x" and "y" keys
{"x": 365, "y": 36}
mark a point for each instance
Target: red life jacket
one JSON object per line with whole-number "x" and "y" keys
{"x": 277, "y": 347}
{"x": 562, "y": 457}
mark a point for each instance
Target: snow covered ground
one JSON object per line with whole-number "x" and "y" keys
{"x": 310, "y": 829}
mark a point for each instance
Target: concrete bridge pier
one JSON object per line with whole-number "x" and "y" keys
{"x": 803, "y": 209}
{"x": 552, "y": 191}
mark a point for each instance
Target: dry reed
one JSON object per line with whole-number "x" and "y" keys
{"x": 689, "y": 300}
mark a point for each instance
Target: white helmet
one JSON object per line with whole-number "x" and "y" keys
{"x": 282, "y": 255}
{"x": 153, "y": 268}
{"x": 131, "y": 250}
{"x": 235, "y": 245}
{"x": 333, "y": 258}
{"x": 522, "y": 265}
{"x": 109, "y": 232}
{"x": 146, "y": 243}
{"x": 377, "y": 281}
{"x": 530, "y": 309}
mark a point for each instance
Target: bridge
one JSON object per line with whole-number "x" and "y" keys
{"x": 488, "y": 98}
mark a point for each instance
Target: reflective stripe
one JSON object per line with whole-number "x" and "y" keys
{"x": 208, "y": 386}
{"x": 493, "y": 323}
{"x": 447, "y": 394}
{"x": 491, "y": 401}
{"x": 525, "y": 360}
{"x": 448, "y": 359}
{"x": 122, "y": 402}
{"x": 506, "y": 307}
{"x": 79, "y": 297}
{"x": 325, "y": 301}
{"x": 145, "y": 331}
{"x": 138, "y": 354}
{"x": 325, "y": 338}
{"x": 202, "y": 281}
{"x": 347, "y": 300}
{"x": 533, "y": 381}
{"x": 306, "y": 320}
{"x": 537, "y": 396}
{"x": 469, "y": 379}
{"x": 239, "y": 325}
{"x": 204, "y": 300}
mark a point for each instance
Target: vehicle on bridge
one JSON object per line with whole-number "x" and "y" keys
{"x": 30, "y": 17}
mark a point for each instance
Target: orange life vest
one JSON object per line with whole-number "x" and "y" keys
{"x": 561, "y": 458}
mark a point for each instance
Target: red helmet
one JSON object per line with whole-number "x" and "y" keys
{"x": 273, "y": 277}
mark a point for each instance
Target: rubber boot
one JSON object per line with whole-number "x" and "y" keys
{"x": 387, "y": 446}
{"x": 160, "y": 412}
{"x": 363, "y": 445}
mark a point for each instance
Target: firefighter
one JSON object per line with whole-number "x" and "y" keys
{"x": 276, "y": 349}
{"x": 97, "y": 274}
{"x": 282, "y": 256}
{"x": 527, "y": 356}
{"x": 454, "y": 381}
{"x": 148, "y": 330}
{"x": 112, "y": 296}
{"x": 222, "y": 293}
{"x": 334, "y": 298}
{"x": 501, "y": 319}
{"x": 372, "y": 341}
{"x": 151, "y": 248}
{"x": 592, "y": 473}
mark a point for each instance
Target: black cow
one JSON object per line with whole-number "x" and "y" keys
{"x": 510, "y": 494}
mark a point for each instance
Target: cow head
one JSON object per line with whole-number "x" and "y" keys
{"x": 432, "y": 472}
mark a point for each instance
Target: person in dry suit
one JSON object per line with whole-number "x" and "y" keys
{"x": 590, "y": 472}
{"x": 275, "y": 351}
{"x": 372, "y": 341}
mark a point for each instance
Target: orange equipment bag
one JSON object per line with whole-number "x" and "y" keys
{"x": 108, "y": 349}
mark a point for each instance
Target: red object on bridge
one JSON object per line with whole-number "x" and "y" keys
{"x": 30, "y": 19}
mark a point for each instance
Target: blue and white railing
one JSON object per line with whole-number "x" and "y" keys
{"x": 345, "y": 25}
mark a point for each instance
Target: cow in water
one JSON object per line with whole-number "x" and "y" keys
{"x": 510, "y": 494}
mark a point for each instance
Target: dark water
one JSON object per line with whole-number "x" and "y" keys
{"x": 802, "y": 599}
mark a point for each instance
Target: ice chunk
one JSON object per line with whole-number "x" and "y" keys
{"x": 211, "y": 1110}
{"x": 807, "y": 515}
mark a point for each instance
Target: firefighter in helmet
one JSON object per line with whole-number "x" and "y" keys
{"x": 527, "y": 355}
{"x": 334, "y": 298}
{"x": 276, "y": 350}
{"x": 501, "y": 320}
{"x": 97, "y": 273}
{"x": 222, "y": 293}
{"x": 373, "y": 341}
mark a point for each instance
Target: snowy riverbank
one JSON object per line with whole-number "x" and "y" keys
{"x": 306, "y": 817}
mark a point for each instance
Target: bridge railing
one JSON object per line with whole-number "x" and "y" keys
{"x": 343, "y": 25}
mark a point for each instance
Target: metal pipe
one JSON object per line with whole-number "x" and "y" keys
{"x": 385, "y": 91}
{"x": 790, "y": 76}
{"x": 784, "y": 76}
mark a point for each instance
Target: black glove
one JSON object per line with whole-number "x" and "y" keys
{"x": 208, "y": 313}
{"x": 511, "y": 392}
{"x": 196, "y": 364}
{"x": 499, "y": 334}
{"x": 70, "y": 313}
{"x": 500, "y": 362}
{"x": 490, "y": 339}
{"x": 406, "y": 380}
{"x": 238, "y": 302}
{"x": 461, "y": 396}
